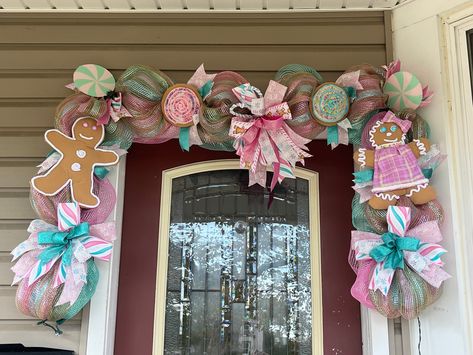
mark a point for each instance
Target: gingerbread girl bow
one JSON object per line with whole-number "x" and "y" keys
{"x": 262, "y": 137}
{"x": 70, "y": 244}
{"x": 415, "y": 247}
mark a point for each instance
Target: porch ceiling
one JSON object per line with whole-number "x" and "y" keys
{"x": 194, "y": 5}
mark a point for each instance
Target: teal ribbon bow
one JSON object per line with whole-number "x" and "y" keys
{"x": 60, "y": 241}
{"x": 392, "y": 250}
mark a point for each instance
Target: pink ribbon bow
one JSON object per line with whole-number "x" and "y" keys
{"x": 262, "y": 137}
{"x": 425, "y": 261}
{"x": 72, "y": 268}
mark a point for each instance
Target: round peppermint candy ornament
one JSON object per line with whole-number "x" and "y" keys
{"x": 404, "y": 91}
{"x": 181, "y": 105}
{"x": 93, "y": 80}
{"x": 330, "y": 104}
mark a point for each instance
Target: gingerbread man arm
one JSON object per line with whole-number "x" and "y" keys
{"x": 419, "y": 146}
{"x": 105, "y": 157}
{"x": 57, "y": 139}
{"x": 364, "y": 157}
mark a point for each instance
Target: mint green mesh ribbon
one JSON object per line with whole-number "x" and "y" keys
{"x": 66, "y": 311}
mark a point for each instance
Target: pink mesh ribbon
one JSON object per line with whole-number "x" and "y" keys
{"x": 46, "y": 206}
{"x": 422, "y": 256}
{"x": 262, "y": 137}
{"x": 68, "y": 245}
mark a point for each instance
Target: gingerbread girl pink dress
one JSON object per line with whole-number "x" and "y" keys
{"x": 396, "y": 170}
{"x": 395, "y": 166}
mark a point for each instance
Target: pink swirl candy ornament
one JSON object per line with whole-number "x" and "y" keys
{"x": 181, "y": 105}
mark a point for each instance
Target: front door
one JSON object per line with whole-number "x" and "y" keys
{"x": 232, "y": 269}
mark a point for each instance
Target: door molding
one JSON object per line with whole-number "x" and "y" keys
{"x": 454, "y": 26}
{"x": 99, "y": 317}
{"x": 163, "y": 246}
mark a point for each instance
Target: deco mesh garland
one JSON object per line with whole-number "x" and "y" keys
{"x": 394, "y": 252}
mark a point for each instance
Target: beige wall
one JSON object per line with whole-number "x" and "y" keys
{"x": 38, "y": 54}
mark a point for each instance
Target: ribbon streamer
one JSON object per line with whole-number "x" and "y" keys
{"x": 415, "y": 247}
{"x": 69, "y": 245}
{"x": 262, "y": 137}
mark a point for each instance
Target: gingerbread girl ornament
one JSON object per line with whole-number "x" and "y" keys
{"x": 79, "y": 157}
{"x": 396, "y": 171}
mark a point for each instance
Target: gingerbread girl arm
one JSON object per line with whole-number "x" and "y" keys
{"x": 419, "y": 146}
{"x": 56, "y": 139}
{"x": 105, "y": 157}
{"x": 364, "y": 157}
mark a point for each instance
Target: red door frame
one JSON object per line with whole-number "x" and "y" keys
{"x": 136, "y": 293}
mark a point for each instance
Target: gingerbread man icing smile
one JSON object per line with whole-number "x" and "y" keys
{"x": 79, "y": 157}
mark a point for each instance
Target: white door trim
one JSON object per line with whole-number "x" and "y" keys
{"x": 98, "y": 323}
{"x": 163, "y": 246}
{"x": 454, "y": 25}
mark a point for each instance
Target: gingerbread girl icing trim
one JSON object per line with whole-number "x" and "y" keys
{"x": 79, "y": 157}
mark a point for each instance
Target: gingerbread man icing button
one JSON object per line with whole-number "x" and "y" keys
{"x": 79, "y": 157}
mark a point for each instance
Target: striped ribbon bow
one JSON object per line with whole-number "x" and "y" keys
{"x": 69, "y": 246}
{"x": 262, "y": 137}
{"x": 394, "y": 249}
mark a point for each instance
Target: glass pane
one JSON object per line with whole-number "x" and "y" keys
{"x": 239, "y": 266}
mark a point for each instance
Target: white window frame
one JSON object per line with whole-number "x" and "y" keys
{"x": 454, "y": 25}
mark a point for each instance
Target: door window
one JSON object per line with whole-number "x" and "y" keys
{"x": 239, "y": 276}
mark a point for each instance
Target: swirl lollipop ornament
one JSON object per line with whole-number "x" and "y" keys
{"x": 330, "y": 104}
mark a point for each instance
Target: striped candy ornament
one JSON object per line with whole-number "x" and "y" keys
{"x": 398, "y": 219}
{"x": 68, "y": 215}
{"x": 93, "y": 80}
{"x": 404, "y": 91}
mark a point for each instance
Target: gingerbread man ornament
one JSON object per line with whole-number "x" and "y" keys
{"x": 79, "y": 157}
{"x": 396, "y": 171}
